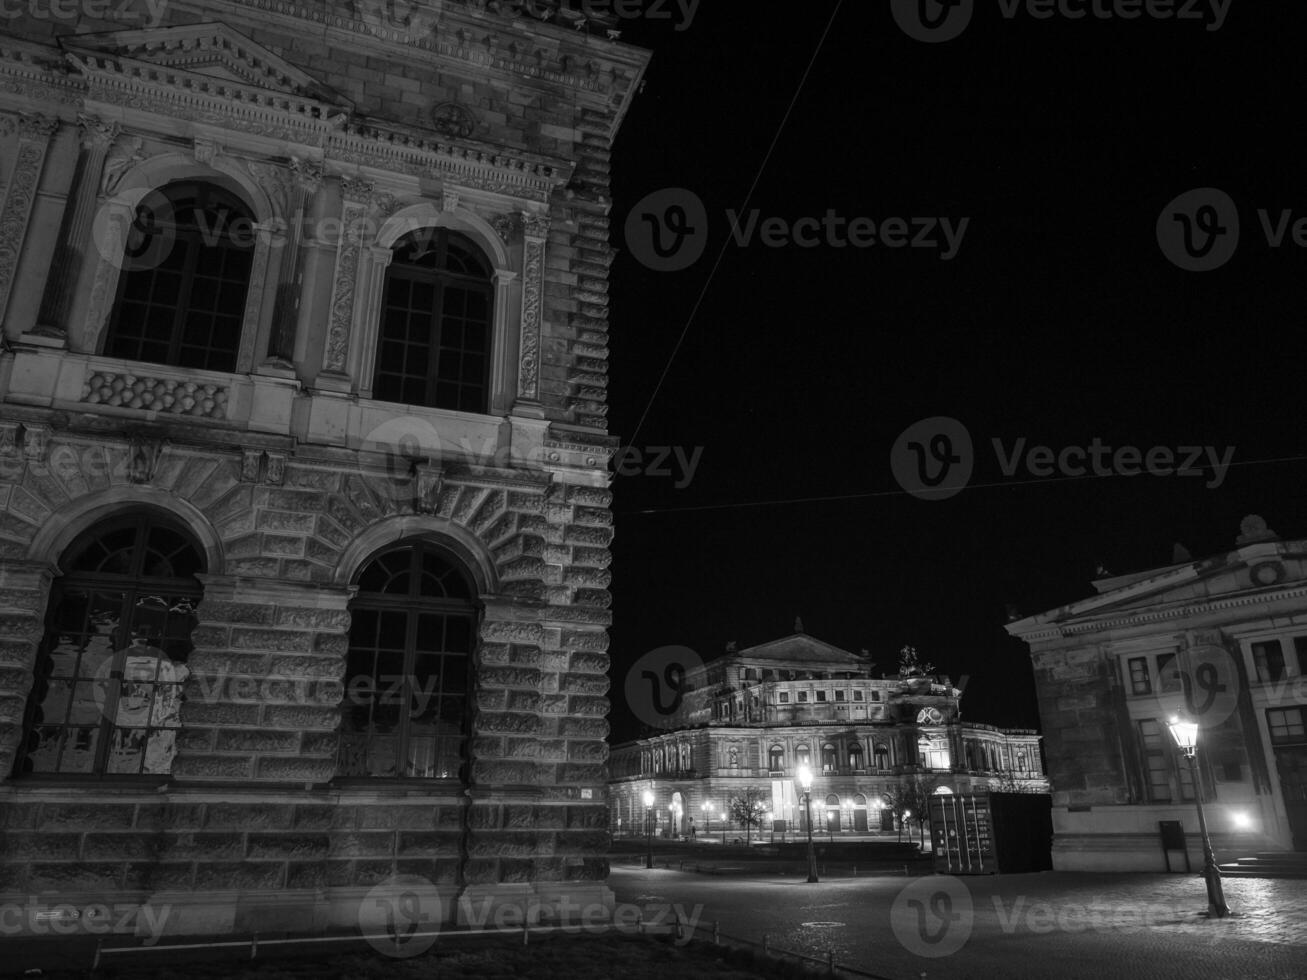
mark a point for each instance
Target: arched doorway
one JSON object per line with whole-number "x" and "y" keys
{"x": 860, "y": 813}
{"x": 832, "y": 814}
{"x": 678, "y": 826}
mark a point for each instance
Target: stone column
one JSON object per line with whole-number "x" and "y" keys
{"x": 24, "y": 592}
{"x": 97, "y": 135}
{"x": 263, "y": 699}
{"x": 357, "y": 195}
{"x": 307, "y": 178}
{"x": 376, "y": 259}
{"x": 34, "y": 133}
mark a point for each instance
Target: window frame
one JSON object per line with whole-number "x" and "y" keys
{"x": 131, "y": 585}
{"x": 415, "y": 606}
{"x": 1137, "y": 673}
{"x": 1263, "y": 662}
{"x": 443, "y": 282}
{"x": 182, "y": 188}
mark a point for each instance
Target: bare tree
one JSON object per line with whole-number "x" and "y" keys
{"x": 1008, "y": 781}
{"x": 910, "y": 800}
{"x": 748, "y": 809}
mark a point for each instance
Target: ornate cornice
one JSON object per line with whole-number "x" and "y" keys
{"x": 182, "y": 94}
{"x": 192, "y": 47}
{"x": 468, "y": 165}
{"x": 178, "y": 93}
{"x": 489, "y": 40}
{"x": 1152, "y": 616}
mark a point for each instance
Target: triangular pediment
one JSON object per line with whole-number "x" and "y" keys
{"x": 1251, "y": 574}
{"x": 213, "y": 50}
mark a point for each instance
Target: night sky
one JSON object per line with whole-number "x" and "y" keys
{"x": 1059, "y": 320}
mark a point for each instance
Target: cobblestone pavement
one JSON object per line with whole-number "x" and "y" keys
{"x": 1050, "y": 926}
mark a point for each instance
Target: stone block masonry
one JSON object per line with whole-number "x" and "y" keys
{"x": 287, "y": 479}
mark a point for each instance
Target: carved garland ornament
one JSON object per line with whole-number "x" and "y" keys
{"x": 33, "y": 136}
{"x": 358, "y": 194}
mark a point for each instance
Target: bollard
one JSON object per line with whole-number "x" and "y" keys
{"x": 830, "y": 961}
{"x": 526, "y": 931}
{"x": 765, "y": 950}
{"x": 676, "y": 917}
{"x": 716, "y": 934}
{"x": 254, "y": 945}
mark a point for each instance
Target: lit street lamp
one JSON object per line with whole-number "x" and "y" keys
{"x": 805, "y": 780}
{"x": 1185, "y": 734}
{"x": 648, "y": 827}
{"x": 707, "y": 821}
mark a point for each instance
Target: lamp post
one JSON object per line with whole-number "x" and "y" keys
{"x": 648, "y": 827}
{"x": 1185, "y": 734}
{"x": 805, "y": 780}
{"x": 707, "y": 820}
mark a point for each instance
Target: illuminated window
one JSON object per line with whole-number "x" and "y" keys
{"x": 107, "y": 693}
{"x": 1139, "y": 680}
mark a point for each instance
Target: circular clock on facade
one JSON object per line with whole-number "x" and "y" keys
{"x": 930, "y": 716}
{"x": 1267, "y": 573}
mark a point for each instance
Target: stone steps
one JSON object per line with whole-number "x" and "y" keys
{"x": 1268, "y": 864}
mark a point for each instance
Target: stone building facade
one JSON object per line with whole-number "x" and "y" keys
{"x": 304, "y": 506}
{"x": 1222, "y": 641}
{"x": 751, "y": 717}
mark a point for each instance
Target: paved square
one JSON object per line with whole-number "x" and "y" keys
{"x": 1038, "y": 926}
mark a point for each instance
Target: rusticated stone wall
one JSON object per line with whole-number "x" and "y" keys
{"x": 267, "y": 680}
{"x": 486, "y": 120}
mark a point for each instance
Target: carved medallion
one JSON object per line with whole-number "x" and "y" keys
{"x": 452, "y": 120}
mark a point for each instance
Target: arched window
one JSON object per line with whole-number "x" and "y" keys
{"x": 106, "y": 697}
{"x": 406, "y": 674}
{"x": 802, "y": 756}
{"x": 882, "y": 757}
{"x": 433, "y": 346}
{"x": 776, "y": 758}
{"x": 855, "y": 756}
{"x": 829, "y": 758}
{"x": 185, "y": 278}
